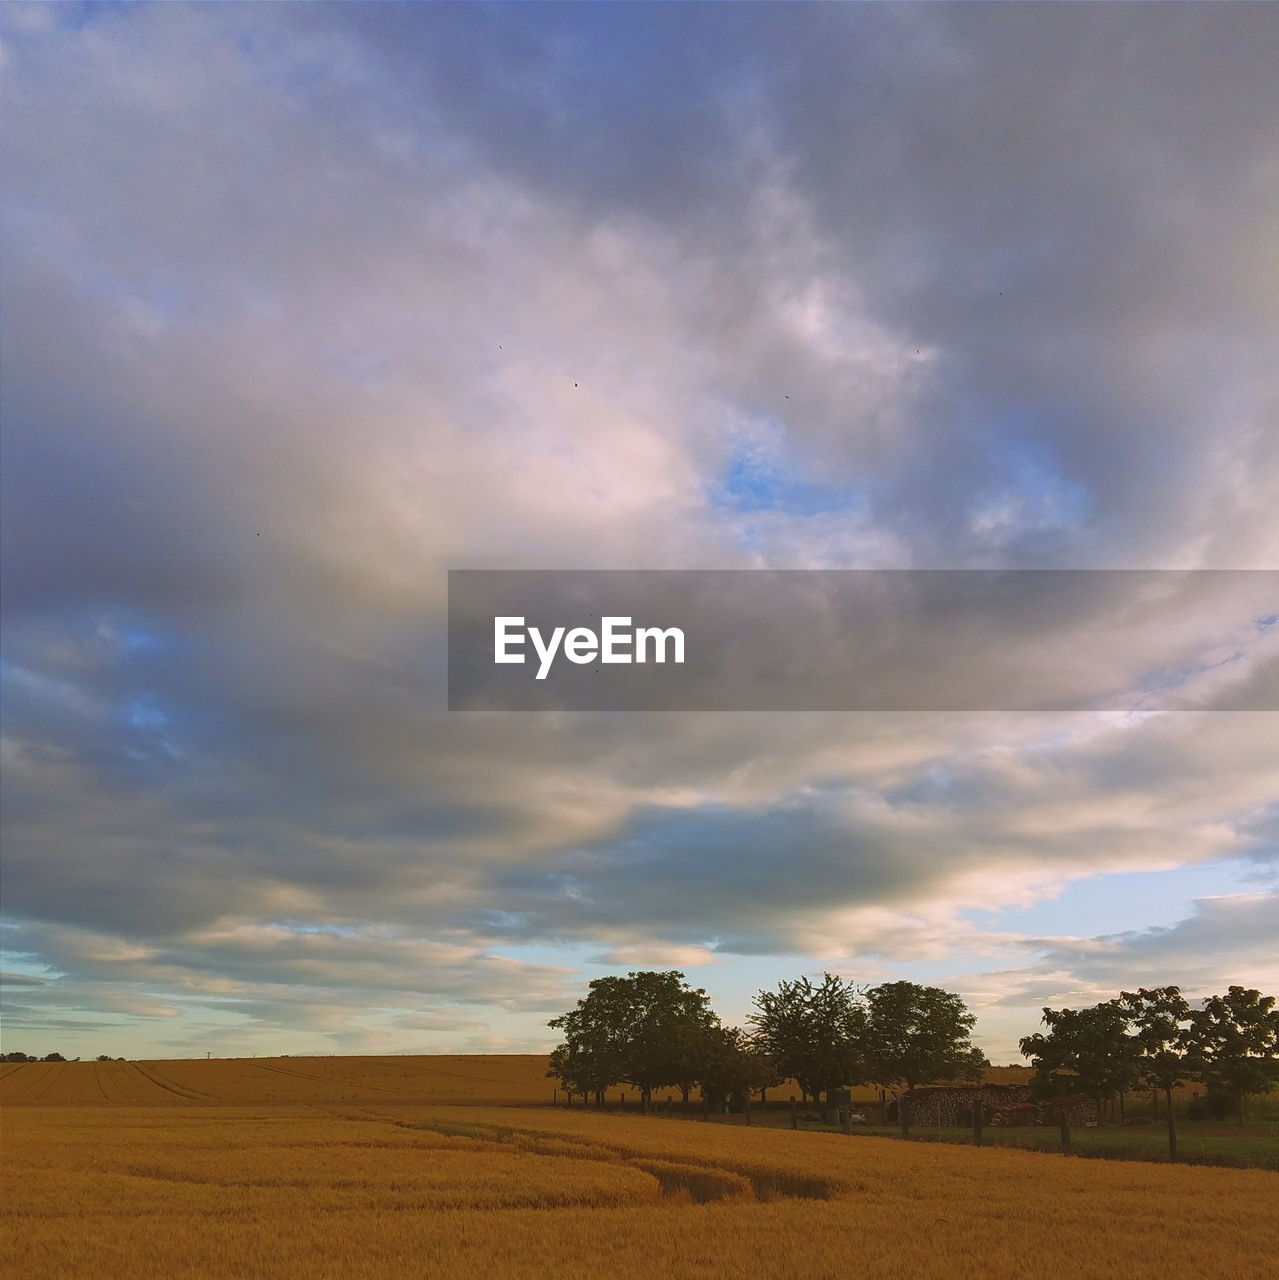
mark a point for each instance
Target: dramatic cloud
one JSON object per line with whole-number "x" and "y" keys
{"x": 304, "y": 305}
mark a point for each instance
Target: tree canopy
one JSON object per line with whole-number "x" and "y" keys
{"x": 1232, "y": 1044}
{"x": 1085, "y": 1051}
{"x": 918, "y": 1034}
{"x": 1157, "y": 1019}
{"x": 814, "y": 1032}
{"x": 647, "y": 1030}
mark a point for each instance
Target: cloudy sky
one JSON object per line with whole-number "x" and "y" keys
{"x": 305, "y": 305}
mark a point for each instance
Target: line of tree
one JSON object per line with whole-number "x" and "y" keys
{"x": 15, "y": 1056}
{"x": 1153, "y": 1039}
{"x": 651, "y": 1030}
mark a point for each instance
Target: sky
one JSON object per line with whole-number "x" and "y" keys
{"x": 304, "y": 305}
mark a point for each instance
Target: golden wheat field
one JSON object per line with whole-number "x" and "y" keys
{"x": 388, "y": 1167}
{"x": 511, "y": 1079}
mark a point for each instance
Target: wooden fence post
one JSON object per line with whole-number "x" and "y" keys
{"x": 846, "y": 1119}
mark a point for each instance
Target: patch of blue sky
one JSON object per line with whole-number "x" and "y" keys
{"x": 147, "y": 733}
{"x": 131, "y": 633}
{"x": 755, "y": 481}
{"x": 142, "y": 640}
{"x": 1121, "y": 902}
{"x": 79, "y": 14}
{"x": 1030, "y": 490}
{"x": 934, "y": 785}
{"x": 144, "y": 713}
{"x": 567, "y": 955}
{"x": 329, "y": 930}
{"x": 1166, "y": 678}
{"x": 18, "y": 965}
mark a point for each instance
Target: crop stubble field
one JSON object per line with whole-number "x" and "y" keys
{"x": 444, "y": 1167}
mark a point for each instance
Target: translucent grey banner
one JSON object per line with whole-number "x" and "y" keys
{"x": 863, "y": 640}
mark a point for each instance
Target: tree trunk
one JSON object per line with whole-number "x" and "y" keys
{"x": 1122, "y": 1117}
{"x": 1172, "y": 1129}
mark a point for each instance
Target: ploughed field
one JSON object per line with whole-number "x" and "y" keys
{"x": 363, "y": 1167}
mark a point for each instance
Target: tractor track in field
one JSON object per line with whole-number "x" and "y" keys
{"x": 10, "y": 1074}
{"x": 54, "y": 1077}
{"x": 333, "y": 1080}
{"x": 179, "y": 1091}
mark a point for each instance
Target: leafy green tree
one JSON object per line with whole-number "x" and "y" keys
{"x": 1085, "y": 1051}
{"x": 638, "y": 1030}
{"x": 1158, "y": 1020}
{"x": 581, "y": 1071}
{"x": 1233, "y": 1044}
{"x": 813, "y": 1032}
{"x": 915, "y": 1035}
{"x": 734, "y": 1066}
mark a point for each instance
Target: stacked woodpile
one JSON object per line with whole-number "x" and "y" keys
{"x": 1079, "y": 1111}
{"x": 1017, "y": 1115}
{"x": 1001, "y": 1104}
{"x": 952, "y": 1105}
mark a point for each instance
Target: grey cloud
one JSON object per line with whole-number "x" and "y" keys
{"x": 259, "y": 262}
{"x": 1226, "y": 940}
